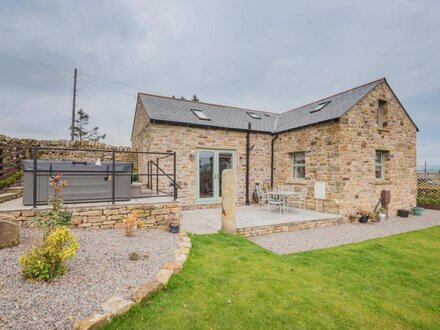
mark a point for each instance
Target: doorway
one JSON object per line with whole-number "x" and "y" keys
{"x": 210, "y": 164}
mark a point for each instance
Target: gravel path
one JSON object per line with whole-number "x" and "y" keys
{"x": 100, "y": 270}
{"x": 319, "y": 238}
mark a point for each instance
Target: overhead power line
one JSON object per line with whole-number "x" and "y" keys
{"x": 69, "y": 70}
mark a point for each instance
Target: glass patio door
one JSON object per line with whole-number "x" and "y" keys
{"x": 210, "y": 165}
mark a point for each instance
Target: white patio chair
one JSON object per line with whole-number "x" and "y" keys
{"x": 262, "y": 196}
{"x": 273, "y": 199}
{"x": 299, "y": 198}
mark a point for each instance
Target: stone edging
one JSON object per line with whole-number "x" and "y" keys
{"x": 116, "y": 305}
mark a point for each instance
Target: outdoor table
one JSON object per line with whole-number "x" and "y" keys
{"x": 282, "y": 196}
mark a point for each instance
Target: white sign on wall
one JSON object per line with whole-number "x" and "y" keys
{"x": 320, "y": 190}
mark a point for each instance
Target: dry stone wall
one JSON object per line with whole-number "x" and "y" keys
{"x": 79, "y": 154}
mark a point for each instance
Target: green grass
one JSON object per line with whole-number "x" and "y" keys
{"x": 384, "y": 283}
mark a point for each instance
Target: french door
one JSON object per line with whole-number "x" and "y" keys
{"x": 210, "y": 164}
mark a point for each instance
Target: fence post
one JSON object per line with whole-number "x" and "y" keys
{"x": 34, "y": 190}
{"x": 113, "y": 175}
{"x": 174, "y": 176}
{"x": 157, "y": 175}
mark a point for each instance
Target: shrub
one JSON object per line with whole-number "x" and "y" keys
{"x": 131, "y": 224}
{"x": 48, "y": 260}
{"x": 133, "y": 256}
{"x": 432, "y": 201}
{"x": 11, "y": 179}
{"x": 58, "y": 215}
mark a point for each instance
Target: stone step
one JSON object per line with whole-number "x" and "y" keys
{"x": 15, "y": 190}
{"x": 8, "y": 196}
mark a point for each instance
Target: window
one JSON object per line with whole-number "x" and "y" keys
{"x": 380, "y": 165}
{"x": 380, "y": 113}
{"x": 320, "y": 106}
{"x": 253, "y": 115}
{"x": 299, "y": 165}
{"x": 199, "y": 114}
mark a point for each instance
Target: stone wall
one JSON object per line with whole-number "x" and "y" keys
{"x": 150, "y": 215}
{"x": 320, "y": 143}
{"x": 78, "y": 154}
{"x": 361, "y": 138}
{"x": 342, "y": 154}
{"x": 186, "y": 140}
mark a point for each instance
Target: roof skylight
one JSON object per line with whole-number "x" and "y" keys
{"x": 320, "y": 106}
{"x": 200, "y": 114}
{"x": 253, "y": 115}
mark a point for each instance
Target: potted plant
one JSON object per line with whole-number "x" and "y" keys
{"x": 382, "y": 214}
{"x": 364, "y": 215}
{"x": 403, "y": 213}
{"x": 174, "y": 226}
{"x": 417, "y": 210}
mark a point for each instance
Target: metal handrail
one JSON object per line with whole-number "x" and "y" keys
{"x": 159, "y": 172}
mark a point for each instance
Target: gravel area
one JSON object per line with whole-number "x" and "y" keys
{"x": 319, "y": 238}
{"x": 100, "y": 270}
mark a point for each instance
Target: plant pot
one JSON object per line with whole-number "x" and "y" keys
{"x": 174, "y": 229}
{"x": 363, "y": 219}
{"x": 403, "y": 213}
{"x": 382, "y": 217}
{"x": 417, "y": 210}
{"x": 255, "y": 196}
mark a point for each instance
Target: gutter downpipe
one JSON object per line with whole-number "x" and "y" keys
{"x": 272, "y": 160}
{"x": 248, "y": 150}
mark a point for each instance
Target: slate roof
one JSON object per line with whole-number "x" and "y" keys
{"x": 171, "y": 110}
{"x": 167, "y": 109}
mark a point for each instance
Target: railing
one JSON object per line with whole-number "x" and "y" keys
{"x": 109, "y": 174}
{"x": 10, "y": 156}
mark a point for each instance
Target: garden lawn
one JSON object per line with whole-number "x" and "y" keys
{"x": 231, "y": 283}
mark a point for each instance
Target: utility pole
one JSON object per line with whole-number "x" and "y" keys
{"x": 72, "y": 134}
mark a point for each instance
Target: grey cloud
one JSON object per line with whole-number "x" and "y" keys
{"x": 272, "y": 57}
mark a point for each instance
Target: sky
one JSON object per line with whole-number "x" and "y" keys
{"x": 271, "y": 56}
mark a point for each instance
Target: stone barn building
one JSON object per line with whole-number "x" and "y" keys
{"x": 357, "y": 142}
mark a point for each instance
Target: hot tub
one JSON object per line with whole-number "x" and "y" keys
{"x": 86, "y": 182}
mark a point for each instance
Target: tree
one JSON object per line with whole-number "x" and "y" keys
{"x": 80, "y": 130}
{"x": 195, "y": 98}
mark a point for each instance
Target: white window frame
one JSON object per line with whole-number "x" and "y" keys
{"x": 380, "y": 164}
{"x": 296, "y": 166}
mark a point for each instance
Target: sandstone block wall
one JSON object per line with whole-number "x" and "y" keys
{"x": 340, "y": 153}
{"x": 321, "y": 144}
{"x": 104, "y": 217}
{"x": 187, "y": 140}
{"x": 361, "y": 138}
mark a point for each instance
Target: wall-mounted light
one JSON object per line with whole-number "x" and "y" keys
{"x": 191, "y": 156}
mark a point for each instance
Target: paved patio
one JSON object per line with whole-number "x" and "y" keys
{"x": 208, "y": 221}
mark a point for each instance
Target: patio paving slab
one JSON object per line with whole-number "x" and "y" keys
{"x": 319, "y": 238}
{"x": 208, "y": 221}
